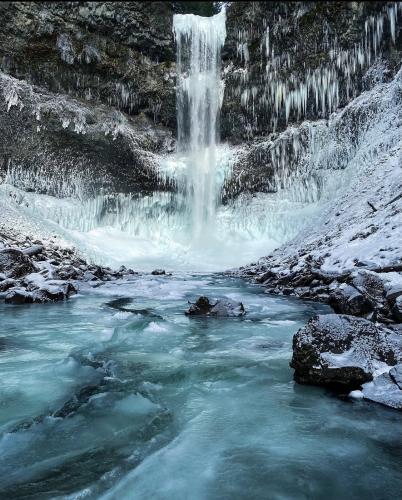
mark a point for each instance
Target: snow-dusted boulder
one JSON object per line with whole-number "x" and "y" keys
{"x": 19, "y": 296}
{"x": 383, "y": 390}
{"x": 14, "y": 263}
{"x": 223, "y": 307}
{"x": 397, "y": 309}
{"x": 227, "y": 307}
{"x": 7, "y": 283}
{"x": 158, "y": 272}
{"x": 344, "y": 351}
{"x": 49, "y": 293}
{"x": 347, "y": 299}
{"x": 40, "y": 292}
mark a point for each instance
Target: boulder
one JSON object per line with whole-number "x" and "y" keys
{"x": 19, "y": 296}
{"x": 397, "y": 309}
{"x": 14, "y": 263}
{"x": 69, "y": 272}
{"x": 346, "y": 299}
{"x": 202, "y": 306}
{"x": 343, "y": 351}
{"x": 383, "y": 390}
{"x": 222, "y": 308}
{"x": 396, "y": 375}
{"x": 227, "y": 307}
{"x": 368, "y": 283}
{"x": 33, "y": 250}
{"x": 49, "y": 293}
{"x": 88, "y": 276}
{"x": 7, "y": 283}
{"x": 158, "y": 272}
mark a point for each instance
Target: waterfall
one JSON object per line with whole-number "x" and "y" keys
{"x": 199, "y": 99}
{"x": 196, "y": 227}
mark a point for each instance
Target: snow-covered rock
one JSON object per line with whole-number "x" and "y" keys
{"x": 397, "y": 309}
{"x": 222, "y": 308}
{"x": 14, "y": 264}
{"x": 383, "y": 390}
{"x": 345, "y": 352}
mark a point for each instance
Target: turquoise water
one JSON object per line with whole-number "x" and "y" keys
{"x": 117, "y": 394}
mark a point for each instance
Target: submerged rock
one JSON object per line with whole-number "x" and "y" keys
{"x": 222, "y": 308}
{"x": 343, "y": 351}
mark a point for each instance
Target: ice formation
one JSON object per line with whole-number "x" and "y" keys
{"x": 313, "y": 163}
{"x": 288, "y": 98}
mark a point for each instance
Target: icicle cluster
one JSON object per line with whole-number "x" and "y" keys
{"x": 287, "y": 94}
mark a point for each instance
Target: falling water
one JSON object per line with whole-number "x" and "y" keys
{"x": 199, "y": 99}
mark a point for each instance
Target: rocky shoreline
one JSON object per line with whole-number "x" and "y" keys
{"x": 32, "y": 271}
{"x": 358, "y": 349}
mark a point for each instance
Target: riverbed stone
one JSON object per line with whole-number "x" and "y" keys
{"x": 227, "y": 307}
{"x": 383, "y": 390}
{"x": 397, "y": 309}
{"x": 19, "y": 296}
{"x": 347, "y": 299}
{"x": 14, "y": 263}
{"x": 222, "y": 308}
{"x": 158, "y": 272}
{"x": 343, "y": 351}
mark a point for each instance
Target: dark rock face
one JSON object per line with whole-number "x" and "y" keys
{"x": 343, "y": 351}
{"x": 115, "y": 53}
{"x": 273, "y": 49}
{"x": 14, "y": 263}
{"x": 89, "y": 92}
{"x": 281, "y": 60}
{"x": 89, "y": 87}
{"x": 222, "y": 308}
{"x": 69, "y": 148}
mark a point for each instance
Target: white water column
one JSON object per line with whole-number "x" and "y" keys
{"x": 199, "y": 99}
